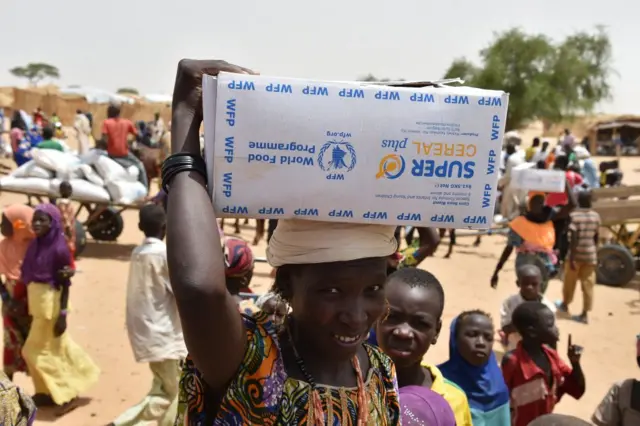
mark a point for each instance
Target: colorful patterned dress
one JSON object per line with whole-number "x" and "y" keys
{"x": 16, "y": 407}
{"x": 262, "y": 394}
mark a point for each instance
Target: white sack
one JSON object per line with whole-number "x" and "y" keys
{"x": 54, "y": 160}
{"x": 31, "y": 169}
{"x": 111, "y": 171}
{"x": 82, "y": 190}
{"x": 89, "y": 174}
{"x": 29, "y": 185}
{"x": 124, "y": 192}
{"x": 73, "y": 172}
{"x": 92, "y": 156}
{"x": 133, "y": 173}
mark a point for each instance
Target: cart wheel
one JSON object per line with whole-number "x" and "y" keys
{"x": 81, "y": 238}
{"x": 616, "y": 266}
{"x": 107, "y": 226}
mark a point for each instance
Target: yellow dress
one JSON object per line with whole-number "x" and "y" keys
{"x": 58, "y": 366}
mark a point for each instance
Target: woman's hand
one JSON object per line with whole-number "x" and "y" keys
{"x": 187, "y": 99}
{"x": 60, "y": 326}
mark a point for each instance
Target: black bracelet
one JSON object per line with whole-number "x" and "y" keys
{"x": 179, "y": 163}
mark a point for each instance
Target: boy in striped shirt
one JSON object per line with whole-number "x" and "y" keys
{"x": 583, "y": 256}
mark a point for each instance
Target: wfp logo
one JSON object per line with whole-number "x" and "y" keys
{"x": 337, "y": 157}
{"x": 391, "y": 167}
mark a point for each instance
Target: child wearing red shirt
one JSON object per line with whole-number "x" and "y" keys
{"x": 534, "y": 372}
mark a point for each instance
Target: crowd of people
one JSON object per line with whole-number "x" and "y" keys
{"x": 43, "y": 132}
{"x": 558, "y": 232}
{"x": 340, "y": 339}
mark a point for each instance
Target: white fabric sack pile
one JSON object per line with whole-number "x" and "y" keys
{"x": 30, "y": 185}
{"x": 122, "y": 184}
{"x": 82, "y": 190}
{"x": 62, "y": 163}
{"x": 31, "y": 169}
{"x": 94, "y": 177}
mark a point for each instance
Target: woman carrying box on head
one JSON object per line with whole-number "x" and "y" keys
{"x": 314, "y": 369}
{"x": 533, "y": 236}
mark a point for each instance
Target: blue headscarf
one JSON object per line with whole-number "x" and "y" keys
{"x": 484, "y": 386}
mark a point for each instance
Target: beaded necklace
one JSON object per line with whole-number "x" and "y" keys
{"x": 316, "y": 413}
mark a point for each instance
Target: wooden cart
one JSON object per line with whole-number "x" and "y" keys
{"x": 619, "y": 256}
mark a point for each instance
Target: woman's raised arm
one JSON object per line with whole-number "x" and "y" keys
{"x": 212, "y": 326}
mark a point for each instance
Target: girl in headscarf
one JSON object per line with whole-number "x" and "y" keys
{"x": 473, "y": 366}
{"x": 60, "y": 369}
{"x": 239, "y": 264}
{"x": 238, "y": 269}
{"x": 16, "y": 230}
{"x": 533, "y": 236}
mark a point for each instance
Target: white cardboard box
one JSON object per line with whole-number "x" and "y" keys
{"x": 349, "y": 152}
{"x": 533, "y": 179}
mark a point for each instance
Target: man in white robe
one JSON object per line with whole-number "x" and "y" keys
{"x": 511, "y": 197}
{"x": 83, "y": 132}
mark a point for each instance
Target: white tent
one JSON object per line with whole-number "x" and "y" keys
{"x": 97, "y": 96}
{"x": 158, "y": 98}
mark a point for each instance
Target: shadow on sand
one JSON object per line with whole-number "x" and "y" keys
{"x": 111, "y": 251}
{"x": 52, "y": 414}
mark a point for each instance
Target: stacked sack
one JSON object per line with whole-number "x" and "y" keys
{"x": 94, "y": 177}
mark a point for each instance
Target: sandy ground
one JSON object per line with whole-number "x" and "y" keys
{"x": 97, "y": 321}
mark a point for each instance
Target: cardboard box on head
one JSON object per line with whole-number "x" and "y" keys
{"x": 352, "y": 152}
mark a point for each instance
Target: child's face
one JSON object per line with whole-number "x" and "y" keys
{"x": 475, "y": 339}
{"x": 530, "y": 287}
{"x": 276, "y": 310}
{"x": 413, "y": 323}
{"x": 546, "y": 330}
{"x": 41, "y": 223}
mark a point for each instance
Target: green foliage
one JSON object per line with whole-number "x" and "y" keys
{"x": 127, "y": 91}
{"x": 546, "y": 80}
{"x": 35, "y": 72}
{"x": 371, "y": 77}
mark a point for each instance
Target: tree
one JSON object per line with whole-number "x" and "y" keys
{"x": 35, "y": 72}
{"x": 546, "y": 80}
{"x": 371, "y": 77}
{"x": 463, "y": 69}
{"x": 127, "y": 91}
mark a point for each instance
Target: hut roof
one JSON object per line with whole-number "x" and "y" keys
{"x": 617, "y": 121}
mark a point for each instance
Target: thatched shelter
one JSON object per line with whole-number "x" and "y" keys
{"x": 603, "y": 134}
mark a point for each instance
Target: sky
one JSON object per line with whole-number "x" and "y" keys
{"x": 138, "y": 43}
